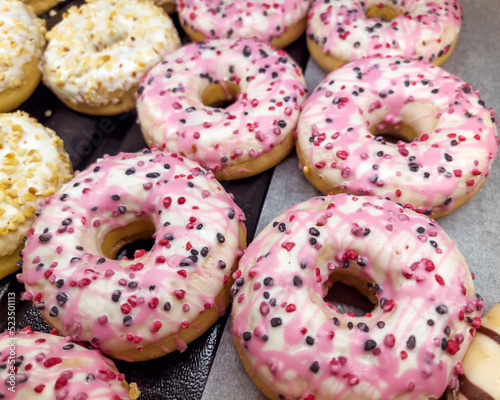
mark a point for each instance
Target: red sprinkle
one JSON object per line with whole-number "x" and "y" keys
{"x": 51, "y": 362}
{"x": 39, "y": 388}
{"x": 61, "y": 382}
{"x": 439, "y": 279}
{"x": 288, "y": 245}
{"x": 290, "y": 308}
{"x": 453, "y": 347}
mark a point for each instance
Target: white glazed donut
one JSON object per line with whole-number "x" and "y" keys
{"x": 33, "y": 165}
{"x": 346, "y": 30}
{"x": 250, "y": 135}
{"x": 22, "y": 39}
{"x": 163, "y": 299}
{"x": 42, "y": 366}
{"x": 296, "y": 345}
{"x": 97, "y": 55}
{"x": 450, "y": 136}
{"x": 280, "y": 22}
{"x": 480, "y": 375}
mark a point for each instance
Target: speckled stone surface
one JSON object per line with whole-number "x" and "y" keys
{"x": 475, "y": 227}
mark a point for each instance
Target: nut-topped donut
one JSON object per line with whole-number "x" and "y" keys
{"x": 279, "y": 22}
{"x": 22, "y": 39}
{"x": 445, "y": 138}
{"x": 33, "y": 165}
{"x": 97, "y": 55}
{"x": 42, "y": 366}
{"x": 163, "y": 299}
{"x": 296, "y": 345}
{"x": 179, "y": 105}
{"x": 346, "y": 30}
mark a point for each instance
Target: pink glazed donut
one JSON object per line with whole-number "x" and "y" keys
{"x": 346, "y": 30}
{"x": 296, "y": 345}
{"x": 179, "y": 105}
{"x": 279, "y": 22}
{"x": 41, "y": 366}
{"x": 445, "y": 138}
{"x": 158, "y": 302}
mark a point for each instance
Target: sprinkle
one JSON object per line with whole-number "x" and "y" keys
{"x": 276, "y": 322}
{"x": 314, "y": 367}
{"x": 370, "y": 345}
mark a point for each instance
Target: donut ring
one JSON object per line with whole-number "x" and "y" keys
{"x": 295, "y": 345}
{"x": 97, "y": 55}
{"x": 250, "y": 135}
{"x": 33, "y": 165}
{"x": 51, "y": 367}
{"x": 22, "y": 39}
{"x": 163, "y": 299}
{"x": 279, "y": 23}
{"x": 448, "y": 138}
{"x": 480, "y": 372}
{"x": 346, "y": 30}
{"x": 40, "y": 6}
{"x": 168, "y": 5}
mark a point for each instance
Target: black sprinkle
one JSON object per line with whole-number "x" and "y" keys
{"x": 314, "y": 367}
{"x": 268, "y": 281}
{"x": 62, "y": 298}
{"x": 314, "y": 231}
{"x": 309, "y": 340}
{"x": 54, "y": 312}
{"x": 276, "y": 322}
{"x": 442, "y": 309}
{"x": 127, "y": 320}
{"x": 297, "y": 281}
{"x": 221, "y": 238}
{"x": 115, "y": 197}
{"x": 247, "y": 336}
{"x": 45, "y": 237}
{"x": 167, "y": 306}
{"x": 116, "y": 296}
{"x": 370, "y": 345}
{"x": 411, "y": 342}
{"x": 68, "y": 347}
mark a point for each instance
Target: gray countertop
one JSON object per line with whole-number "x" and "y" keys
{"x": 475, "y": 227}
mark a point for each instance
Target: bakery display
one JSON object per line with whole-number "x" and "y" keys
{"x": 280, "y": 22}
{"x": 444, "y": 138}
{"x": 97, "y": 55}
{"x": 52, "y": 367}
{"x": 346, "y": 30}
{"x": 293, "y": 344}
{"x": 181, "y": 105}
{"x": 209, "y": 367}
{"x": 22, "y": 39}
{"x": 33, "y": 165}
{"x": 162, "y": 299}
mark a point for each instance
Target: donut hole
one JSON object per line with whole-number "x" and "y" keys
{"x": 350, "y": 292}
{"x": 220, "y": 95}
{"x": 124, "y": 241}
{"x": 108, "y": 40}
{"x": 383, "y": 12}
{"x": 392, "y": 133}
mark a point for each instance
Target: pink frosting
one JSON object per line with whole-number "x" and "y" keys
{"x": 302, "y": 347}
{"x": 50, "y": 367}
{"x": 424, "y": 30}
{"x": 264, "y": 20}
{"x": 450, "y": 157}
{"x": 265, "y": 113}
{"x": 127, "y": 305}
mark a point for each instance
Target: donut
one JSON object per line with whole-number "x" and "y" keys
{"x": 180, "y": 105}
{"x": 342, "y": 31}
{"x": 97, "y": 55}
{"x": 33, "y": 165}
{"x": 162, "y": 299}
{"x": 40, "y": 6}
{"x": 296, "y": 345}
{"x": 22, "y": 39}
{"x": 280, "y": 22}
{"x": 439, "y": 141}
{"x": 39, "y": 365}
{"x": 480, "y": 367}
{"x": 167, "y": 5}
